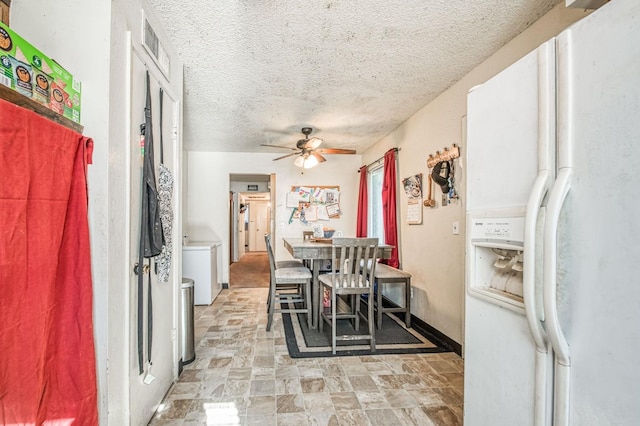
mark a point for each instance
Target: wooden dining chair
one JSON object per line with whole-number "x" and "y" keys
{"x": 291, "y": 284}
{"x": 293, "y": 263}
{"x": 349, "y": 278}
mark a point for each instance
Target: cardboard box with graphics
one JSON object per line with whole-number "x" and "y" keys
{"x": 26, "y": 69}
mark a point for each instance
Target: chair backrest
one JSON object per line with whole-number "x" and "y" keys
{"x": 272, "y": 261}
{"x": 355, "y": 261}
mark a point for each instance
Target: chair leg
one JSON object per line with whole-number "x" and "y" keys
{"x": 407, "y": 294}
{"x": 334, "y": 312}
{"x": 269, "y": 296}
{"x": 379, "y": 305}
{"x": 320, "y": 309}
{"x": 355, "y": 308}
{"x": 307, "y": 299}
{"x": 370, "y": 320}
{"x": 272, "y": 303}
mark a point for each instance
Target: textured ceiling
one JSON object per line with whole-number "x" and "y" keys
{"x": 257, "y": 71}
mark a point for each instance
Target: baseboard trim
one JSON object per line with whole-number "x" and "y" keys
{"x": 430, "y": 332}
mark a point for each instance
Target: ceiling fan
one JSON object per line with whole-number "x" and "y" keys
{"x": 308, "y": 151}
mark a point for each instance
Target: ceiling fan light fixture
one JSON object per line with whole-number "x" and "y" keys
{"x": 306, "y": 161}
{"x": 310, "y": 162}
{"x": 308, "y": 150}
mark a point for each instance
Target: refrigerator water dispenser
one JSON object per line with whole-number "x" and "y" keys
{"x": 495, "y": 242}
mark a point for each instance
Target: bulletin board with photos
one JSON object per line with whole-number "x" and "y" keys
{"x": 311, "y": 204}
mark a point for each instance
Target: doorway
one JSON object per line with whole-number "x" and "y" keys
{"x": 250, "y": 218}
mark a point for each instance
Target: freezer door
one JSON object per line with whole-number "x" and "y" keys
{"x": 510, "y": 141}
{"x": 502, "y": 137}
{"x": 598, "y": 249}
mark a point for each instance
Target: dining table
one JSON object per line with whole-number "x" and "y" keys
{"x": 317, "y": 250}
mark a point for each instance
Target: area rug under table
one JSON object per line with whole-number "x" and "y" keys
{"x": 392, "y": 338}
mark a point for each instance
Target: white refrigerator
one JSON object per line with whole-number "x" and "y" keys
{"x": 552, "y": 305}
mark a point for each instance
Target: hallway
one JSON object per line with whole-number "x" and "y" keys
{"x": 243, "y": 375}
{"x": 251, "y": 271}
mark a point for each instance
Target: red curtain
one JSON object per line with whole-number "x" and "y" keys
{"x": 389, "y": 207}
{"x": 363, "y": 207}
{"x": 47, "y": 358}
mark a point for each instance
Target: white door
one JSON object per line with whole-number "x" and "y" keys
{"x": 262, "y": 225}
{"x": 272, "y": 202}
{"x": 502, "y": 164}
{"x": 146, "y": 394}
{"x": 242, "y": 236}
{"x": 598, "y": 253}
{"x": 233, "y": 223}
{"x": 258, "y": 225}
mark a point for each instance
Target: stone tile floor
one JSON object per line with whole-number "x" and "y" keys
{"x": 243, "y": 375}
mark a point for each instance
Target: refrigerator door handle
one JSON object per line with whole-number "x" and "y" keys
{"x": 533, "y": 304}
{"x": 533, "y": 296}
{"x": 554, "y": 330}
{"x": 532, "y": 289}
{"x": 533, "y": 312}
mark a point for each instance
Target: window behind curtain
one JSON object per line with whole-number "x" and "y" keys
{"x": 376, "y": 224}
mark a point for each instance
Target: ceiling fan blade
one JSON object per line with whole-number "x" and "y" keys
{"x": 336, "y": 151}
{"x": 319, "y": 157}
{"x": 278, "y": 146}
{"x": 285, "y": 156}
{"x": 313, "y": 143}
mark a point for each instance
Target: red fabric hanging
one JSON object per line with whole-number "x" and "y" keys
{"x": 389, "y": 207}
{"x": 363, "y": 206}
{"x": 47, "y": 358}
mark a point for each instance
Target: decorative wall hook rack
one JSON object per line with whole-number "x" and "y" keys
{"x": 449, "y": 153}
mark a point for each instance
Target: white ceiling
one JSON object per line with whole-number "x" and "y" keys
{"x": 257, "y": 71}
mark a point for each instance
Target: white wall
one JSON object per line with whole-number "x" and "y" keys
{"x": 237, "y": 186}
{"x": 430, "y": 252}
{"x": 88, "y": 38}
{"x": 85, "y": 53}
{"x": 208, "y": 197}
